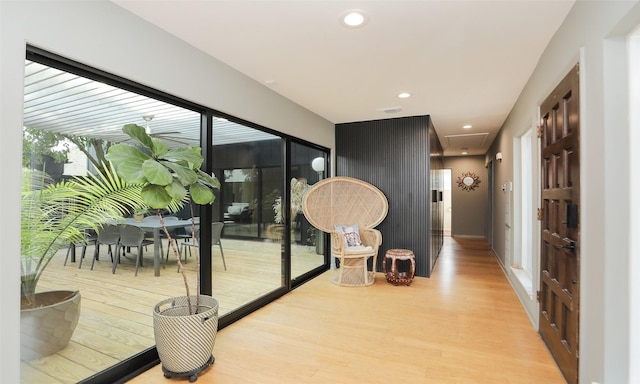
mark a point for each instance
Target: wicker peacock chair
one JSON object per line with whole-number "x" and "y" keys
{"x": 348, "y": 209}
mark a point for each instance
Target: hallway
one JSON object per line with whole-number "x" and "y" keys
{"x": 463, "y": 325}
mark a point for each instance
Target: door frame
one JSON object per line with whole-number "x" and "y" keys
{"x": 560, "y": 214}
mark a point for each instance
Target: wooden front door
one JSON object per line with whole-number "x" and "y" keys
{"x": 559, "y": 295}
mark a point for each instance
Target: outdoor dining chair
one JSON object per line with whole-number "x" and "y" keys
{"x": 90, "y": 238}
{"x": 183, "y": 233}
{"x": 216, "y": 234}
{"x": 131, "y": 236}
{"x": 108, "y": 235}
{"x": 173, "y": 232}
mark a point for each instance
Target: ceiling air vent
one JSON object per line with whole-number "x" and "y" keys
{"x": 390, "y": 110}
{"x": 471, "y": 140}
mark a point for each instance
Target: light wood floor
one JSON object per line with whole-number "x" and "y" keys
{"x": 463, "y": 325}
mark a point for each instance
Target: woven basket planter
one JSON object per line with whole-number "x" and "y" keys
{"x": 185, "y": 342}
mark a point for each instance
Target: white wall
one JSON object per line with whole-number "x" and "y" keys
{"x": 634, "y": 211}
{"x": 446, "y": 200}
{"x": 592, "y": 34}
{"x": 103, "y": 35}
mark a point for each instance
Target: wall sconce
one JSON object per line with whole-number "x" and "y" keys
{"x": 318, "y": 165}
{"x": 499, "y": 156}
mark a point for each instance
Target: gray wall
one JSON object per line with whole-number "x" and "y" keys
{"x": 594, "y": 34}
{"x": 469, "y": 209}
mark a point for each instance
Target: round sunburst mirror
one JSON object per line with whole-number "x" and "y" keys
{"x": 468, "y": 181}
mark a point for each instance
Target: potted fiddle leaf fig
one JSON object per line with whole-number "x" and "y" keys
{"x": 53, "y": 217}
{"x": 184, "y": 326}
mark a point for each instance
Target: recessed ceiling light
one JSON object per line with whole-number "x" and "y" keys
{"x": 354, "y": 18}
{"x": 404, "y": 95}
{"x": 464, "y": 151}
{"x": 467, "y": 126}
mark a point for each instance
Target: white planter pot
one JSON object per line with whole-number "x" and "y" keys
{"x": 185, "y": 342}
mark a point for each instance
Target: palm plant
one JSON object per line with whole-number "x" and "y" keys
{"x": 167, "y": 176}
{"x": 53, "y": 216}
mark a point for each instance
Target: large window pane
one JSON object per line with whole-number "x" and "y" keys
{"x": 83, "y": 117}
{"x": 251, "y": 175}
{"x": 307, "y": 251}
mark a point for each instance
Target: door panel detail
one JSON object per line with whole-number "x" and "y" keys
{"x": 559, "y": 251}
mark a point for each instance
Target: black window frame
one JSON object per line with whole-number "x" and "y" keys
{"x": 136, "y": 364}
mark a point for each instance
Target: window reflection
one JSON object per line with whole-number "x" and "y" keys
{"x": 249, "y": 164}
{"x": 307, "y": 251}
{"x": 240, "y": 199}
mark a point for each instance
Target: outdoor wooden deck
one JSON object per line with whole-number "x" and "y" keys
{"x": 116, "y": 310}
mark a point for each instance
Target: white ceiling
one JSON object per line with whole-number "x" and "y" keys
{"x": 464, "y": 62}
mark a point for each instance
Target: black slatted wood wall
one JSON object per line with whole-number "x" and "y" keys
{"x": 395, "y": 156}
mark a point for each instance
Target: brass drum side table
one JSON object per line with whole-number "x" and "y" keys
{"x": 394, "y": 277}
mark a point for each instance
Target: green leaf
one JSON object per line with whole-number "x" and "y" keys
{"x": 132, "y": 172}
{"x": 201, "y": 194}
{"x": 189, "y": 155}
{"x": 159, "y": 147}
{"x": 122, "y": 152}
{"x": 176, "y": 190}
{"x": 208, "y": 180}
{"x": 129, "y": 160}
{"x": 156, "y": 173}
{"x": 185, "y": 175}
{"x": 156, "y": 196}
{"x": 138, "y": 133}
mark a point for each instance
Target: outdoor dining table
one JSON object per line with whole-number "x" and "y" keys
{"x": 154, "y": 226}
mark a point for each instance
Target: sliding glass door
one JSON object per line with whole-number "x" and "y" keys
{"x": 79, "y": 111}
{"x": 307, "y": 243}
{"x": 250, "y": 170}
